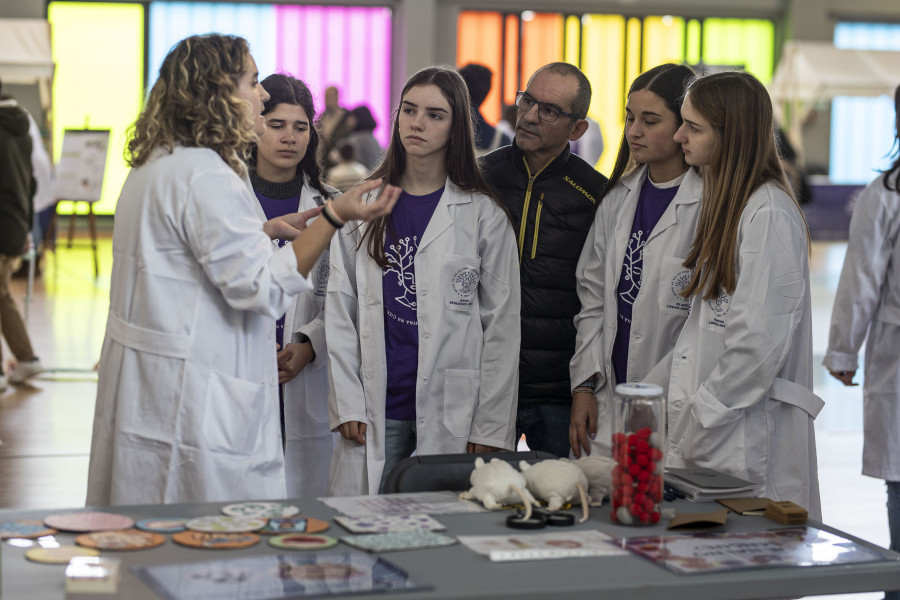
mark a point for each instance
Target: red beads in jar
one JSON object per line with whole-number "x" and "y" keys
{"x": 638, "y": 441}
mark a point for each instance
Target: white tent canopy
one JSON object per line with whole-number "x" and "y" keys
{"x": 25, "y": 55}
{"x": 812, "y": 72}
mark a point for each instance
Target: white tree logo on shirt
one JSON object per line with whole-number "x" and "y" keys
{"x": 401, "y": 257}
{"x": 634, "y": 266}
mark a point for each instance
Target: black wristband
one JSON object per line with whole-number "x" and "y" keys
{"x": 331, "y": 217}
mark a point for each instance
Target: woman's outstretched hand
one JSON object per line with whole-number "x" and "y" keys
{"x": 351, "y": 206}
{"x": 289, "y": 226}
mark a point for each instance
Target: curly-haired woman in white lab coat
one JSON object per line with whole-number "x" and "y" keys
{"x": 868, "y": 302}
{"x": 423, "y": 307}
{"x": 630, "y": 270}
{"x": 187, "y": 408}
{"x": 740, "y": 394}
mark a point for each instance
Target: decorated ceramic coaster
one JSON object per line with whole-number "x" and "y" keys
{"x": 215, "y": 541}
{"x": 161, "y": 525}
{"x": 23, "y": 528}
{"x": 58, "y": 556}
{"x": 222, "y": 524}
{"x": 129, "y": 539}
{"x": 302, "y": 541}
{"x": 84, "y": 522}
{"x": 265, "y": 510}
{"x": 280, "y": 525}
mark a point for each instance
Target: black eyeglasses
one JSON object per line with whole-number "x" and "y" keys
{"x": 546, "y": 112}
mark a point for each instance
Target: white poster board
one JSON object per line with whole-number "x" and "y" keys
{"x": 79, "y": 174}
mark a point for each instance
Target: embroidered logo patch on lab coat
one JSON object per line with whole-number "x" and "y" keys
{"x": 676, "y": 302}
{"x": 719, "y": 307}
{"x": 322, "y": 276}
{"x": 464, "y": 283}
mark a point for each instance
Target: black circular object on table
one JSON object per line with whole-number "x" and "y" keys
{"x": 518, "y": 521}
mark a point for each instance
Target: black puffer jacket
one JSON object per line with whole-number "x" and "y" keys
{"x": 17, "y": 184}
{"x": 552, "y": 212}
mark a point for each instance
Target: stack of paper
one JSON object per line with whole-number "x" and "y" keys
{"x": 706, "y": 484}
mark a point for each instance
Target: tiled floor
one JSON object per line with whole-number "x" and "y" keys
{"x": 46, "y": 426}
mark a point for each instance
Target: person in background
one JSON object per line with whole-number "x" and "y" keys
{"x": 552, "y": 196}
{"x": 348, "y": 172}
{"x": 332, "y": 124}
{"x": 17, "y": 189}
{"x": 287, "y": 178}
{"x": 423, "y": 306}
{"x": 187, "y": 407}
{"x": 630, "y": 272}
{"x": 478, "y": 80}
{"x": 740, "y": 376}
{"x": 867, "y": 307}
{"x": 367, "y": 149}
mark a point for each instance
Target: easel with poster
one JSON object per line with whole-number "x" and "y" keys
{"x": 79, "y": 178}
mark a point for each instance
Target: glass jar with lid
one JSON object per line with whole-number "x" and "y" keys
{"x": 638, "y": 448}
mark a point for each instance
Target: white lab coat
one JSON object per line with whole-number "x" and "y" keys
{"x": 467, "y": 386}
{"x": 658, "y": 311}
{"x": 309, "y": 442}
{"x": 187, "y": 405}
{"x": 868, "y": 299}
{"x": 740, "y": 394}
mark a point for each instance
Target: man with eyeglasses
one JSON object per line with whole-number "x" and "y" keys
{"x": 552, "y": 195}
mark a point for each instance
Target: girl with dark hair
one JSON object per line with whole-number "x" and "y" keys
{"x": 867, "y": 307}
{"x": 287, "y": 178}
{"x": 630, "y": 270}
{"x": 740, "y": 396}
{"x": 423, "y": 307}
{"x": 186, "y": 405}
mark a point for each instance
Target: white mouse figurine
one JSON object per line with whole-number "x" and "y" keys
{"x": 497, "y": 483}
{"x": 598, "y": 470}
{"x": 557, "y": 482}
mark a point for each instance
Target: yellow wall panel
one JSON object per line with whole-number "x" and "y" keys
{"x": 98, "y": 49}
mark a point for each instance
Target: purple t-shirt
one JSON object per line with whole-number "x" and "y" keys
{"x": 652, "y": 203}
{"x": 408, "y": 221}
{"x": 277, "y": 200}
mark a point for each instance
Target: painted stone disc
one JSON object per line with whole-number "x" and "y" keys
{"x": 215, "y": 541}
{"x": 265, "y": 510}
{"x": 162, "y": 525}
{"x": 84, "y": 522}
{"x": 302, "y": 541}
{"x": 129, "y": 539}
{"x": 23, "y": 528}
{"x": 281, "y": 525}
{"x": 222, "y": 524}
{"x": 58, "y": 556}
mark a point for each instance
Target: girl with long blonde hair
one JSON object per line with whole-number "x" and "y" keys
{"x": 740, "y": 394}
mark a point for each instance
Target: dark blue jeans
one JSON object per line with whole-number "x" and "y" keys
{"x": 546, "y": 427}
{"x": 399, "y": 443}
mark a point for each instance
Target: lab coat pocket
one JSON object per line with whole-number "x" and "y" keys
{"x": 673, "y": 277}
{"x": 459, "y": 281}
{"x": 461, "y": 389}
{"x": 722, "y": 448}
{"x": 233, "y": 414}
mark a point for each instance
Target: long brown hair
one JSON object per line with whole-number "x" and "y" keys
{"x": 666, "y": 81}
{"x": 462, "y": 166}
{"x": 194, "y": 104}
{"x": 744, "y": 157}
